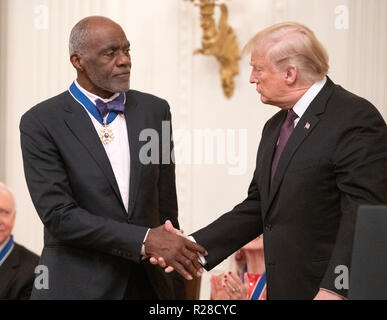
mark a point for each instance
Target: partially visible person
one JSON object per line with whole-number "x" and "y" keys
{"x": 249, "y": 280}
{"x": 17, "y": 264}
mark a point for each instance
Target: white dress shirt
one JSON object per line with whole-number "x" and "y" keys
{"x": 303, "y": 104}
{"x": 117, "y": 150}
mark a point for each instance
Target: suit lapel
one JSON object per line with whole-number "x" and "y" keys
{"x": 271, "y": 142}
{"x": 80, "y": 124}
{"x": 134, "y": 124}
{"x": 305, "y": 126}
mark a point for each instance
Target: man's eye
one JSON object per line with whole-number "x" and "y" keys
{"x": 110, "y": 53}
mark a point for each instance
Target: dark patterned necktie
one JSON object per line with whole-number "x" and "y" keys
{"x": 116, "y": 105}
{"x": 286, "y": 131}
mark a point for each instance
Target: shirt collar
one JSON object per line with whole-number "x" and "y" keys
{"x": 303, "y": 104}
{"x": 94, "y": 97}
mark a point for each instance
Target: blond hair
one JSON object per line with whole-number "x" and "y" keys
{"x": 292, "y": 43}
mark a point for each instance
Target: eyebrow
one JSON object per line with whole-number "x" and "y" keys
{"x": 114, "y": 46}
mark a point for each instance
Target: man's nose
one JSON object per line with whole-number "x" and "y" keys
{"x": 253, "y": 77}
{"x": 124, "y": 59}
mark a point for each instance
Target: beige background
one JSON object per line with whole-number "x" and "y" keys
{"x": 163, "y": 34}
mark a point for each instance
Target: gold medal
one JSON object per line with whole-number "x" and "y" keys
{"x": 106, "y": 135}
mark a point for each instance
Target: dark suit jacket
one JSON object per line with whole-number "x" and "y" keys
{"x": 17, "y": 274}
{"x": 91, "y": 244}
{"x": 308, "y": 213}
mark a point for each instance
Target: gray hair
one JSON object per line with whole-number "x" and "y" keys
{"x": 78, "y": 37}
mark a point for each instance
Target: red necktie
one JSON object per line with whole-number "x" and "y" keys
{"x": 286, "y": 131}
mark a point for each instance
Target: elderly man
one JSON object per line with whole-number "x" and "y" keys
{"x": 17, "y": 264}
{"x": 320, "y": 157}
{"x": 98, "y": 202}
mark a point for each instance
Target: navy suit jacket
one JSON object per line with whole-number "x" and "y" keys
{"x": 335, "y": 160}
{"x": 91, "y": 244}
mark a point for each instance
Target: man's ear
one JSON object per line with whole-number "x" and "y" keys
{"x": 76, "y": 61}
{"x": 291, "y": 75}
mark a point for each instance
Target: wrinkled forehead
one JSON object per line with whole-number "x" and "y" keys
{"x": 105, "y": 33}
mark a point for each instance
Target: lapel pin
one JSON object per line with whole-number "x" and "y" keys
{"x": 307, "y": 126}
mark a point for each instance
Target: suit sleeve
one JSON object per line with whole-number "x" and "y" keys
{"x": 360, "y": 163}
{"x": 232, "y": 230}
{"x": 51, "y": 194}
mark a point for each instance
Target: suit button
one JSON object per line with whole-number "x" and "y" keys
{"x": 268, "y": 227}
{"x": 271, "y": 263}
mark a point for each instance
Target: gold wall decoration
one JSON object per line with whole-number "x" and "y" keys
{"x": 219, "y": 41}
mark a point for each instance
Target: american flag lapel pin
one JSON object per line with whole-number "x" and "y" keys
{"x": 307, "y": 126}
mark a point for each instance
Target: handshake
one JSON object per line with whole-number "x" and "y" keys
{"x": 172, "y": 250}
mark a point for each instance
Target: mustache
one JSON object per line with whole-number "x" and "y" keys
{"x": 123, "y": 73}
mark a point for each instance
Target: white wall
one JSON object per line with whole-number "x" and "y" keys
{"x": 163, "y": 35}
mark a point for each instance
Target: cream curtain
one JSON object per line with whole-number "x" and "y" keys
{"x": 2, "y": 95}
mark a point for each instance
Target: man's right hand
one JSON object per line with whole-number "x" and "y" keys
{"x": 178, "y": 252}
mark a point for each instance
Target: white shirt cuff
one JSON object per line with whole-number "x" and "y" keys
{"x": 201, "y": 259}
{"x": 143, "y": 246}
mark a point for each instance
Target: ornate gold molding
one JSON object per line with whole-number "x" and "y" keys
{"x": 219, "y": 41}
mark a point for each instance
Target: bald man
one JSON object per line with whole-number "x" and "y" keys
{"x": 102, "y": 203}
{"x": 17, "y": 264}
